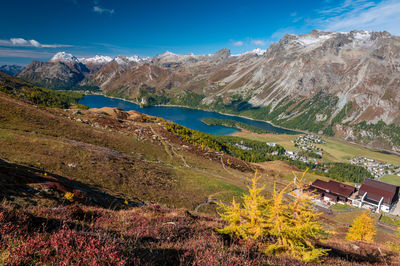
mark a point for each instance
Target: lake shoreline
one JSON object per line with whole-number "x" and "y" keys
{"x": 295, "y": 132}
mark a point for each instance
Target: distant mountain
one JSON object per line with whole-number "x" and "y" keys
{"x": 64, "y": 57}
{"x": 324, "y": 82}
{"x": 11, "y": 69}
{"x": 58, "y": 73}
{"x": 256, "y": 51}
{"x": 65, "y": 71}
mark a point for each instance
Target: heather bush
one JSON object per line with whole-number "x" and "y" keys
{"x": 64, "y": 247}
{"x": 24, "y": 239}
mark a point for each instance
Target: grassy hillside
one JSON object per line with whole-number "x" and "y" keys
{"x": 104, "y": 155}
{"x": 105, "y": 186}
{"x": 38, "y": 95}
{"x": 126, "y": 155}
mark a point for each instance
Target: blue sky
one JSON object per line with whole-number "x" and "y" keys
{"x": 35, "y": 30}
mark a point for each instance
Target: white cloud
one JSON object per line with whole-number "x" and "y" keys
{"x": 20, "y": 42}
{"x": 35, "y": 43}
{"x": 238, "y": 43}
{"x": 55, "y": 45}
{"x": 362, "y": 15}
{"x": 345, "y": 6}
{"x": 8, "y": 52}
{"x": 258, "y": 42}
{"x": 101, "y": 10}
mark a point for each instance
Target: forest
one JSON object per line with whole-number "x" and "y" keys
{"x": 245, "y": 149}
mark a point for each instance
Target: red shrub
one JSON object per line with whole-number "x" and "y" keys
{"x": 65, "y": 247}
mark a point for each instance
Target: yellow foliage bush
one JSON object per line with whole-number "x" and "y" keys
{"x": 69, "y": 196}
{"x": 285, "y": 225}
{"x": 363, "y": 228}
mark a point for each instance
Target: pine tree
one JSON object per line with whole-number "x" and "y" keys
{"x": 363, "y": 228}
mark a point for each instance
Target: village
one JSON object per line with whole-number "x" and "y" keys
{"x": 377, "y": 169}
{"x": 371, "y": 194}
{"x": 307, "y": 152}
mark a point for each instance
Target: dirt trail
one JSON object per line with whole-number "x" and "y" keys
{"x": 163, "y": 143}
{"x": 168, "y": 148}
{"x": 177, "y": 154}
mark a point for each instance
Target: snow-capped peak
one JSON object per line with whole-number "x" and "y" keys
{"x": 307, "y": 40}
{"x": 362, "y": 35}
{"x": 166, "y": 54}
{"x": 134, "y": 58}
{"x": 122, "y": 60}
{"x": 64, "y": 57}
{"x": 98, "y": 59}
{"x": 257, "y": 51}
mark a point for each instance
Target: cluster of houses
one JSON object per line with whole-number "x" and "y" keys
{"x": 242, "y": 146}
{"x": 372, "y": 194}
{"x": 377, "y": 169}
{"x": 307, "y": 140}
{"x": 295, "y": 155}
{"x": 306, "y": 144}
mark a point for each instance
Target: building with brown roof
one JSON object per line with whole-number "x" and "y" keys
{"x": 332, "y": 190}
{"x": 378, "y": 195}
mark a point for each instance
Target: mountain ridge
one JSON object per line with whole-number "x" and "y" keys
{"x": 324, "y": 82}
{"x": 11, "y": 69}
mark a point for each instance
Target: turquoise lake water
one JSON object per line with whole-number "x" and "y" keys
{"x": 187, "y": 117}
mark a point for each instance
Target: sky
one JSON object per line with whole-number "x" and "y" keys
{"x": 36, "y": 30}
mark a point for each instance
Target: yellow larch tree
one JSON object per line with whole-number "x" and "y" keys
{"x": 288, "y": 223}
{"x": 246, "y": 220}
{"x": 294, "y": 223}
{"x": 363, "y": 228}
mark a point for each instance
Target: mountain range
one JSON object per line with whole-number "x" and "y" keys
{"x": 11, "y": 69}
{"x": 333, "y": 83}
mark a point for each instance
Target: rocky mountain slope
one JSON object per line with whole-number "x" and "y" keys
{"x": 55, "y": 74}
{"x": 325, "y": 82}
{"x": 10, "y": 69}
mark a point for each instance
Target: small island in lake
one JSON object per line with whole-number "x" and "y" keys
{"x": 234, "y": 124}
